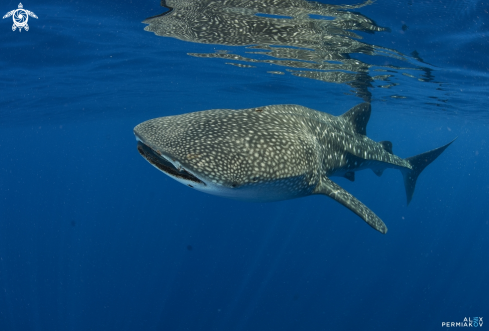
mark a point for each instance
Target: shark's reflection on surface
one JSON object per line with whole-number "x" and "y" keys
{"x": 312, "y": 40}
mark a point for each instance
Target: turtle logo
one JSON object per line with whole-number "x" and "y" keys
{"x": 20, "y": 17}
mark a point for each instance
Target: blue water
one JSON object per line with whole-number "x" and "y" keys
{"x": 94, "y": 238}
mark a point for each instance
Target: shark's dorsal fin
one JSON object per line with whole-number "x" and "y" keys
{"x": 334, "y": 191}
{"x": 387, "y": 145}
{"x": 350, "y": 175}
{"x": 358, "y": 116}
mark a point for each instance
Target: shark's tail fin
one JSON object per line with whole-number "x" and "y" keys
{"x": 419, "y": 162}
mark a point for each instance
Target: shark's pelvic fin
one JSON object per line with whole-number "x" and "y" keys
{"x": 350, "y": 175}
{"x": 358, "y": 116}
{"x": 387, "y": 146}
{"x": 378, "y": 172}
{"x": 419, "y": 162}
{"x": 333, "y": 190}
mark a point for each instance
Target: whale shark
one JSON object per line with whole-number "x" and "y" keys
{"x": 274, "y": 152}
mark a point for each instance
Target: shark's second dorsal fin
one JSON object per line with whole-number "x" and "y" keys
{"x": 387, "y": 145}
{"x": 358, "y": 116}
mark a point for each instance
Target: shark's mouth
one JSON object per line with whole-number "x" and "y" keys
{"x": 164, "y": 165}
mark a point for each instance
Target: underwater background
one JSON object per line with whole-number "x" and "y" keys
{"x": 94, "y": 238}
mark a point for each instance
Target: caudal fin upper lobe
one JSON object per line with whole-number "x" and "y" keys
{"x": 418, "y": 163}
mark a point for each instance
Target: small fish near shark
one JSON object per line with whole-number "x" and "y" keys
{"x": 273, "y": 153}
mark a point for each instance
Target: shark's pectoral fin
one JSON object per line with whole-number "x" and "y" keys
{"x": 333, "y": 190}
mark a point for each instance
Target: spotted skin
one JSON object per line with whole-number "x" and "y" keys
{"x": 269, "y": 153}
